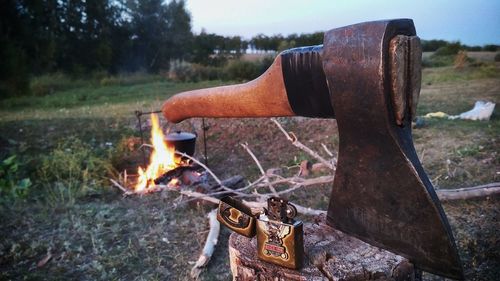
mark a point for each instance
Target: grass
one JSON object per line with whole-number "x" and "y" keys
{"x": 89, "y": 99}
{"x": 450, "y": 74}
{"x": 69, "y": 141}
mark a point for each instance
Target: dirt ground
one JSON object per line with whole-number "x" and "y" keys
{"x": 105, "y": 236}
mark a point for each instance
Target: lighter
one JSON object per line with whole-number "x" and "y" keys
{"x": 279, "y": 236}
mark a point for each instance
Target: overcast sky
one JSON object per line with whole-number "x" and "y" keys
{"x": 473, "y": 22}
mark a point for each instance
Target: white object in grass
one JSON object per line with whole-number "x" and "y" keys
{"x": 482, "y": 111}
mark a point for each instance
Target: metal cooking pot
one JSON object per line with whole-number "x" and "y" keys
{"x": 182, "y": 141}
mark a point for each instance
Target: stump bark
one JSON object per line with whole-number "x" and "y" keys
{"x": 329, "y": 255}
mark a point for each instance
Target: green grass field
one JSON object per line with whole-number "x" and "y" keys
{"x": 69, "y": 142}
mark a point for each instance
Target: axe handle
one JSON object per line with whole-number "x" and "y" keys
{"x": 263, "y": 97}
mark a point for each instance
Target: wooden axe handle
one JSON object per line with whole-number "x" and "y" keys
{"x": 263, "y": 97}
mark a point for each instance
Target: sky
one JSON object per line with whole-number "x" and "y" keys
{"x": 472, "y": 22}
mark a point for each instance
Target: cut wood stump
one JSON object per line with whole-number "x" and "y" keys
{"x": 330, "y": 255}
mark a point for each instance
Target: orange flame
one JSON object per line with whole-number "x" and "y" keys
{"x": 162, "y": 158}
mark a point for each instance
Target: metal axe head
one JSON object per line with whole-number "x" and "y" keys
{"x": 367, "y": 76}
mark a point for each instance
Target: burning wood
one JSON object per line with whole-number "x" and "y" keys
{"x": 181, "y": 172}
{"x": 162, "y": 159}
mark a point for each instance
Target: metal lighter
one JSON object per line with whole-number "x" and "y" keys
{"x": 279, "y": 235}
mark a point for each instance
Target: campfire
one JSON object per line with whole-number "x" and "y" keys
{"x": 166, "y": 167}
{"x": 162, "y": 158}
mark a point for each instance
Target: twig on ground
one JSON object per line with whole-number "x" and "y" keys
{"x": 469, "y": 192}
{"x": 300, "y": 209}
{"x": 266, "y": 178}
{"x": 301, "y": 181}
{"x": 199, "y": 195}
{"x": 327, "y": 150}
{"x": 125, "y": 177}
{"x": 116, "y": 184}
{"x": 293, "y": 139}
{"x": 210, "y": 243}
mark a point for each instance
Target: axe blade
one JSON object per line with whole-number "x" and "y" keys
{"x": 381, "y": 194}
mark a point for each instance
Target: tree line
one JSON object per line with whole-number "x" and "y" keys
{"x": 434, "y": 45}
{"x": 79, "y": 37}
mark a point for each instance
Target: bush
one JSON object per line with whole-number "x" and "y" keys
{"x": 265, "y": 63}
{"x": 497, "y": 57}
{"x": 241, "y": 70}
{"x": 450, "y": 49}
{"x": 130, "y": 79}
{"x": 432, "y": 45}
{"x": 12, "y": 187}
{"x": 72, "y": 170}
{"x": 437, "y": 61}
{"x": 235, "y": 70}
{"x": 50, "y": 83}
{"x": 190, "y": 72}
{"x": 447, "y": 56}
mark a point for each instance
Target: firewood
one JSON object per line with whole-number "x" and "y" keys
{"x": 210, "y": 243}
{"x": 176, "y": 173}
{"x": 233, "y": 182}
{"x": 307, "y": 168}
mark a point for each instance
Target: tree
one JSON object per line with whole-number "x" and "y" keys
{"x": 208, "y": 49}
{"x": 432, "y": 45}
{"x": 160, "y": 32}
{"x": 14, "y": 57}
{"x": 179, "y": 36}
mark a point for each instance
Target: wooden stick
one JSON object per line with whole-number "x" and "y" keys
{"x": 116, "y": 184}
{"x": 199, "y": 195}
{"x": 266, "y": 179}
{"x": 201, "y": 164}
{"x": 301, "y": 181}
{"x": 327, "y": 150}
{"x": 293, "y": 139}
{"x": 210, "y": 243}
{"x": 300, "y": 209}
{"x": 469, "y": 192}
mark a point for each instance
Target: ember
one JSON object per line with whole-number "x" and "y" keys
{"x": 162, "y": 159}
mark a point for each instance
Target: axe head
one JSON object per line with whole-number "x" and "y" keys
{"x": 381, "y": 193}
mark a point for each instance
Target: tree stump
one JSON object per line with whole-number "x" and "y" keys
{"x": 329, "y": 255}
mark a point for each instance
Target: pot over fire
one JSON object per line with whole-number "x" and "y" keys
{"x": 184, "y": 142}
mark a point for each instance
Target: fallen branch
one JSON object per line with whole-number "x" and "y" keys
{"x": 327, "y": 150}
{"x": 306, "y": 168}
{"x": 300, "y": 181}
{"x": 201, "y": 164}
{"x": 266, "y": 179}
{"x": 253, "y": 204}
{"x": 119, "y": 186}
{"x": 300, "y": 209}
{"x": 294, "y": 140}
{"x": 201, "y": 196}
{"x": 469, "y": 192}
{"x": 208, "y": 249}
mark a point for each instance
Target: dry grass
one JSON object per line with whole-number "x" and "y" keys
{"x": 479, "y": 56}
{"x": 482, "y": 56}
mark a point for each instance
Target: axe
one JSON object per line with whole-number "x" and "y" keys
{"x": 367, "y": 77}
